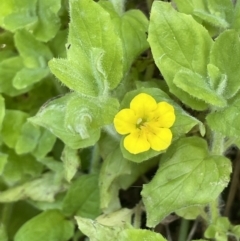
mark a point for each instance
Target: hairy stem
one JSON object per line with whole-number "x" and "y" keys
{"x": 119, "y": 6}
{"x": 217, "y": 148}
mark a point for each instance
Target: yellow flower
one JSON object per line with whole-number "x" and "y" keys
{"x": 147, "y": 124}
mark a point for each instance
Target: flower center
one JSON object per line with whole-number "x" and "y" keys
{"x": 140, "y": 122}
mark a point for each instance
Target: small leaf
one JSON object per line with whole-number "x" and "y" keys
{"x": 48, "y": 226}
{"x": 28, "y": 138}
{"x": 71, "y": 162}
{"x": 140, "y": 235}
{"x": 48, "y": 20}
{"x": 12, "y": 125}
{"x": 15, "y": 15}
{"x": 198, "y": 87}
{"x": 82, "y": 197}
{"x": 225, "y": 54}
{"x": 20, "y": 168}
{"x": 27, "y": 77}
{"x": 178, "y": 42}
{"x": 226, "y": 120}
{"x": 175, "y": 185}
{"x": 98, "y": 232}
{"x": 45, "y": 144}
{"x": 34, "y": 53}
{"x": 43, "y": 189}
{"x": 8, "y": 69}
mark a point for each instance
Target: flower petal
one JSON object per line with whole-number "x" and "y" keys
{"x": 164, "y": 115}
{"x": 125, "y": 121}
{"x": 136, "y": 142}
{"x": 143, "y": 104}
{"x": 159, "y": 138}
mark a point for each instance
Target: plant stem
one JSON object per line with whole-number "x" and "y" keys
{"x": 183, "y": 230}
{"x": 95, "y": 161}
{"x": 217, "y": 148}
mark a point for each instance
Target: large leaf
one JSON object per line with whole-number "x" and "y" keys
{"x": 175, "y": 185}
{"x": 48, "y": 226}
{"x": 178, "y": 42}
{"x": 95, "y": 54}
{"x": 52, "y": 117}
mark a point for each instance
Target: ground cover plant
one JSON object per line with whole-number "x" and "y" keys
{"x": 119, "y": 120}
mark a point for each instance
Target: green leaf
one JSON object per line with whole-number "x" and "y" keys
{"x": 94, "y": 62}
{"x": 71, "y": 162}
{"x": 45, "y": 144}
{"x": 15, "y": 15}
{"x": 28, "y": 138}
{"x": 82, "y": 197}
{"x": 178, "y": 42}
{"x": 140, "y": 235}
{"x": 89, "y": 113}
{"x": 8, "y": 69}
{"x": 11, "y": 127}
{"x": 175, "y": 185}
{"x": 183, "y": 124}
{"x": 34, "y": 53}
{"x": 191, "y": 212}
{"x": 27, "y": 77}
{"x": 48, "y": 20}
{"x": 224, "y": 55}
{"x": 115, "y": 218}
{"x": 2, "y": 111}
{"x": 98, "y": 232}
{"x": 42, "y": 189}
{"x": 48, "y": 226}
{"x": 21, "y": 212}
{"x": 131, "y": 26}
{"x": 20, "y": 168}
{"x": 198, "y": 87}
{"x": 52, "y": 117}
{"x": 226, "y": 120}
{"x": 218, "y": 13}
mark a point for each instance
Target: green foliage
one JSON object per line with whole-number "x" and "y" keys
{"x": 49, "y": 226}
{"x": 67, "y": 68}
{"x": 177, "y": 168}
